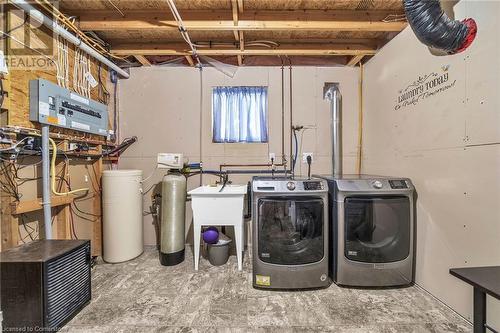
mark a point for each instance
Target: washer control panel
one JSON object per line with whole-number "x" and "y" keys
{"x": 313, "y": 185}
{"x": 288, "y": 185}
{"x": 398, "y": 184}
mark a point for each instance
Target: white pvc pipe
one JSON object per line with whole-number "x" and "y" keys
{"x": 59, "y": 30}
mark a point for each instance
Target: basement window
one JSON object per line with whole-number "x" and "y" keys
{"x": 239, "y": 114}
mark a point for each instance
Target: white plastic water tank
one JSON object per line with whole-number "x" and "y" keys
{"x": 122, "y": 215}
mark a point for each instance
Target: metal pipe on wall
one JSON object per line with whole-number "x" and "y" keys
{"x": 59, "y": 30}
{"x": 332, "y": 93}
{"x": 291, "y": 113}
{"x": 283, "y": 158}
{"x": 47, "y": 213}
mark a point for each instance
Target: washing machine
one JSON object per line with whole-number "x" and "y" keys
{"x": 372, "y": 230}
{"x": 290, "y": 233}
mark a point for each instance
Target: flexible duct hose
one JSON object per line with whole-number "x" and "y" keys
{"x": 435, "y": 29}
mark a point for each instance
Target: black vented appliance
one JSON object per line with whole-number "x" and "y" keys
{"x": 44, "y": 284}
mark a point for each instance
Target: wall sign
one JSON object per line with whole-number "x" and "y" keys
{"x": 424, "y": 87}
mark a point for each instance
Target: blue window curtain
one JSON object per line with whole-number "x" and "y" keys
{"x": 239, "y": 114}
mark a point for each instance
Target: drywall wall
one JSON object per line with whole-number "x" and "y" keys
{"x": 437, "y": 120}
{"x": 161, "y": 106}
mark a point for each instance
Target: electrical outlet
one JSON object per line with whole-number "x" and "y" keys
{"x": 272, "y": 156}
{"x": 72, "y": 146}
{"x": 304, "y": 157}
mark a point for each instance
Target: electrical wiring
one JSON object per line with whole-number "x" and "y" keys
{"x": 69, "y": 24}
{"x": 2, "y": 92}
{"x": 17, "y": 144}
{"x": 62, "y": 74}
{"x": 103, "y": 93}
{"x": 116, "y": 7}
{"x": 53, "y": 170}
{"x": 150, "y": 175}
{"x": 96, "y": 189}
{"x": 113, "y": 77}
{"x": 183, "y": 30}
{"x": 11, "y": 172}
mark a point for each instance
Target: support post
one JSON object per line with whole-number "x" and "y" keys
{"x": 96, "y": 242}
{"x": 47, "y": 214}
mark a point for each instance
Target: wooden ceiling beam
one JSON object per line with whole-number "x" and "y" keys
{"x": 355, "y": 60}
{"x": 234, "y": 7}
{"x": 227, "y": 25}
{"x": 180, "y": 50}
{"x": 142, "y": 59}
{"x": 372, "y": 43}
{"x": 278, "y": 20}
{"x": 89, "y": 16}
{"x": 190, "y": 60}
{"x": 240, "y": 6}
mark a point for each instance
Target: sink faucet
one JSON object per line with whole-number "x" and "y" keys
{"x": 225, "y": 181}
{"x": 273, "y": 168}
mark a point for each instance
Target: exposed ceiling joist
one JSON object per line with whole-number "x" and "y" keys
{"x": 264, "y": 21}
{"x": 355, "y": 60}
{"x": 231, "y": 43}
{"x": 240, "y": 6}
{"x": 303, "y": 50}
{"x": 142, "y": 59}
{"x": 190, "y": 60}
{"x": 247, "y": 15}
{"x": 237, "y": 34}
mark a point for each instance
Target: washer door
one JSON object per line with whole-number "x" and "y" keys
{"x": 377, "y": 229}
{"x": 290, "y": 230}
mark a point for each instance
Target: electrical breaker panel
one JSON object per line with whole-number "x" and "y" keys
{"x": 57, "y": 106}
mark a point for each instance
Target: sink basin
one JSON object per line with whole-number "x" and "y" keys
{"x": 218, "y": 208}
{"x": 214, "y": 208}
{"x": 214, "y": 190}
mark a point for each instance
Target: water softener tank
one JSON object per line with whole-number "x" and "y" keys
{"x": 173, "y": 215}
{"x": 122, "y": 215}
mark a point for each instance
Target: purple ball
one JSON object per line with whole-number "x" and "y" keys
{"x": 211, "y": 235}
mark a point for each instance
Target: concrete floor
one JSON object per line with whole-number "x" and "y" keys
{"x": 143, "y": 296}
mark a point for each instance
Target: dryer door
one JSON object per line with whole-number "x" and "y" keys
{"x": 290, "y": 230}
{"x": 377, "y": 229}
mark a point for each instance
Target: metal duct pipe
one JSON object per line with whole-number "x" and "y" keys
{"x": 332, "y": 93}
{"x": 59, "y": 30}
{"x": 435, "y": 29}
{"x": 47, "y": 213}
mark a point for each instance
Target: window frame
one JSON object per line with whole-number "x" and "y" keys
{"x": 213, "y": 120}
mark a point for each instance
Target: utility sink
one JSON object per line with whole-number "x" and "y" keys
{"x": 216, "y": 190}
{"x": 213, "y": 207}
{"x": 216, "y": 207}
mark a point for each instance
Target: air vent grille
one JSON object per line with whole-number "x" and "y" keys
{"x": 68, "y": 285}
